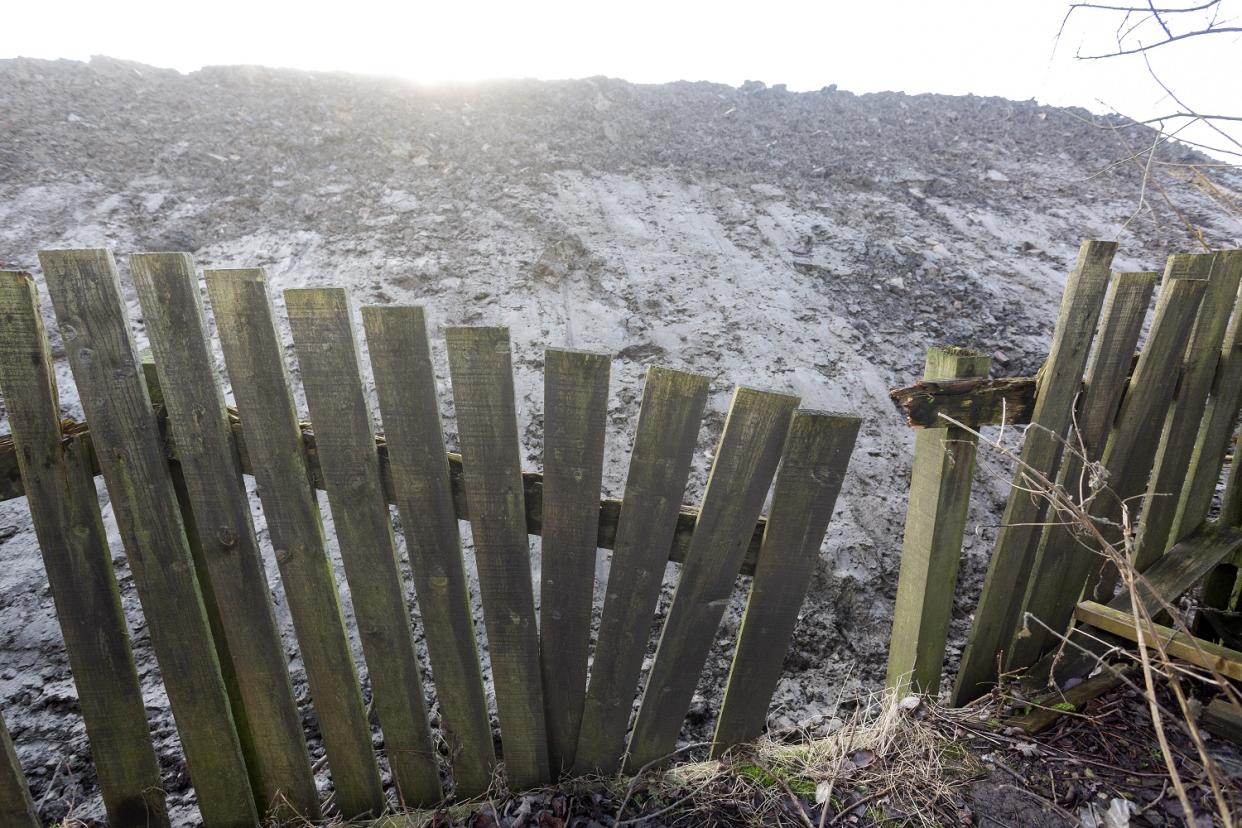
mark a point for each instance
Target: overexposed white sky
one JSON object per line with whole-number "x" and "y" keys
{"x": 985, "y": 47}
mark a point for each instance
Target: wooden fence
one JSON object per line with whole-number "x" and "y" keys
{"x": 1149, "y": 432}
{"x": 172, "y": 455}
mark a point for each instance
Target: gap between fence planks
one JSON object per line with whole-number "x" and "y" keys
{"x": 668, "y": 425}
{"x": 232, "y": 573}
{"x": 64, "y": 508}
{"x": 85, "y": 292}
{"x": 931, "y": 547}
{"x": 246, "y": 325}
{"x": 405, "y": 382}
{"x": 1046, "y": 599}
{"x": 737, "y": 486}
{"x": 816, "y": 455}
{"x": 480, "y": 366}
{"x": 1183, "y": 422}
{"x": 1016, "y": 544}
{"x": 323, "y": 336}
{"x": 574, "y": 422}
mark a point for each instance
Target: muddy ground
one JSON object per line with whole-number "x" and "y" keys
{"x": 815, "y": 242}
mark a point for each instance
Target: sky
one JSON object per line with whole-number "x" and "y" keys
{"x": 998, "y": 47}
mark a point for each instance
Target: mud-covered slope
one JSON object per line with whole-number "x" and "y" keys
{"x": 817, "y": 242}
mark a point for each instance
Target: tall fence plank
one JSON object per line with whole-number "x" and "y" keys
{"x": 252, "y": 354}
{"x": 668, "y": 425}
{"x": 746, "y": 460}
{"x": 323, "y": 334}
{"x": 1046, "y": 599}
{"x": 1131, "y": 446}
{"x": 86, "y": 294}
{"x": 931, "y": 548}
{"x": 406, "y": 384}
{"x": 1218, "y": 420}
{"x": 574, "y": 422}
{"x": 269, "y": 725}
{"x": 812, "y": 469}
{"x": 482, "y": 375}
{"x": 1181, "y": 430}
{"x": 1016, "y": 544}
{"x": 17, "y": 808}
{"x": 65, "y": 511}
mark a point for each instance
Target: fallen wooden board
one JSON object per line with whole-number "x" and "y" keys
{"x": 1196, "y": 651}
{"x": 1045, "y": 712}
{"x": 1224, "y": 719}
{"x": 11, "y": 487}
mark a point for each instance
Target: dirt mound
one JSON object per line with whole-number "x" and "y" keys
{"x": 816, "y": 242}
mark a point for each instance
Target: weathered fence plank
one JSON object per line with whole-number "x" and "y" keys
{"x": 574, "y": 423}
{"x": 1202, "y": 653}
{"x": 1144, "y": 410}
{"x": 269, "y": 724}
{"x": 996, "y": 616}
{"x": 1046, "y": 598}
{"x": 86, "y": 294}
{"x": 405, "y": 380}
{"x": 17, "y": 809}
{"x": 1182, "y": 425}
{"x": 323, "y": 335}
{"x": 816, "y": 455}
{"x": 252, "y": 354}
{"x": 668, "y": 425}
{"x": 931, "y": 547}
{"x": 1218, "y": 420}
{"x": 65, "y": 512}
{"x": 746, "y": 460}
{"x": 974, "y": 402}
{"x": 482, "y": 375}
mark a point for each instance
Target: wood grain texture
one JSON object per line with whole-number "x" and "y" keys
{"x": 246, "y": 326}
{"x": 1224, "y": 719}
{"x": 973, "y": 402}
{"x": 816, "y": 455}
{"x": 1202, "y": 653}
{"x": 1046, "y": 598}
{"x": 746, "y": 459}
{"x": 405, "y": 380}
{"x": 941, "y": 479}
{"x": 1169, "y": 473}
{"x": 1180, "y": 568}
{"x": 72, "y": 540}
{"x": 996, "y": 617}
{"x": 1219, "y": 418}
{"x": 268, "y": 721}
{"x": 86, "y": 293}
{"x": 667, "y": 431}
{"x": 323, "y": 335}
{"x": 574, "y": 424}
{"x": 482, "y": 374}
{"x": 17, "y": 808}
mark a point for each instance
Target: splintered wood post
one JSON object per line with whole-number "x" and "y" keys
{"x": 65, "y": 511}
{"x": 667, "y": 431}
{"x": 1047, "y": 601}
{"x": 252, "y": 354}
{"x": 931, "y": 548}
{"x": 269, "y": 724}
{"x": 816, "y": 455}
{"x": 86, "y": 294}
{"x": 405, "y": 380}
{"x": 746, "y": 459}
{"x": 323, "y": 334}
{"x": 1182, "y": 424}
{"x": 482, "y": 374}
{"x": 17, "y": 808}
{"x": 1219, "y": 418}
{"x": 574, "y": 423}
{"x": 996, "y": 618}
